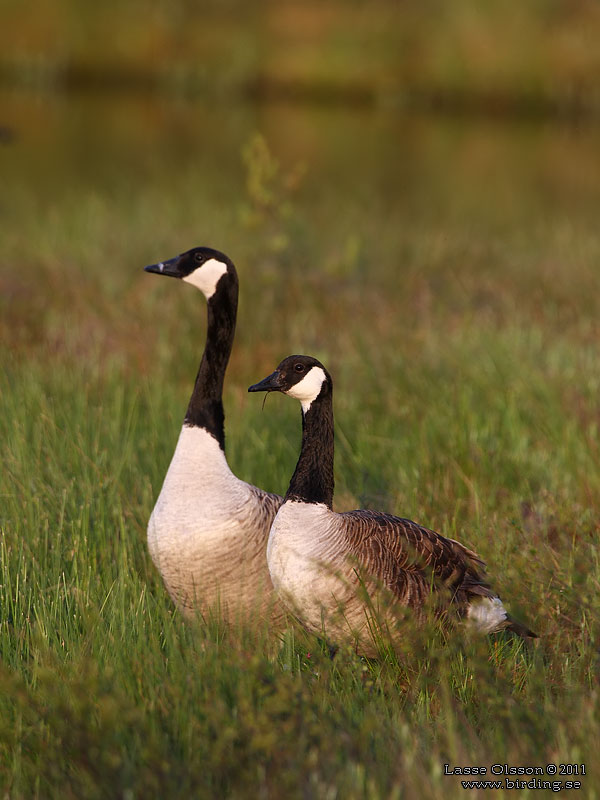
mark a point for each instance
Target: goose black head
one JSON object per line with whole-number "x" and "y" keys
{"x": 302, "y": 377}
{"x": 203, "y": 267}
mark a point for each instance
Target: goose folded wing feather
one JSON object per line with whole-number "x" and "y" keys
{"x": 409, "y": 559}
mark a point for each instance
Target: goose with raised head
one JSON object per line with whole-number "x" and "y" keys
{"x": 322, "y": 562}
{"x": 208, "y": 532}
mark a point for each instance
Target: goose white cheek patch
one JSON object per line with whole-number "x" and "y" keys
{"x": 308, "y": 388}
{"x": 207, "y": 276}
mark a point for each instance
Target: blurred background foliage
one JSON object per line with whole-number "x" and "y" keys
{"x": 535, "y": 57}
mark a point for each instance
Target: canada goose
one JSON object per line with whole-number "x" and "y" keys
{"x": 208, "y": 531}
{"x": 321, "y": 562}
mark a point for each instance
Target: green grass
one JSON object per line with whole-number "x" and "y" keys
{"x": 459, "y": 317}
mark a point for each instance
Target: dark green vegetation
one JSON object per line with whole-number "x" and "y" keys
{"x": 536, "y": 58}
{"x": 447, "y": 274}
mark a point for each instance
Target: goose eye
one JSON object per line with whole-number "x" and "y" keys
{"x": 198, "y": 257}
{"x": 299, "y": 367}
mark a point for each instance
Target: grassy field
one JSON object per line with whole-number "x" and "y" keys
{"x": 449, "y": 279}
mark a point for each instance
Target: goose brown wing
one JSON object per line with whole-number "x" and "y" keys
{"x": 411, "y": 560}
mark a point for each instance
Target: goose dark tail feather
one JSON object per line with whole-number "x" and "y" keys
{"x": 519, "y": 629}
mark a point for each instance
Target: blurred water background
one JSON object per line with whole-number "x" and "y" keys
{"x": 395, "y": 126}
{"x": 409, "y": 111}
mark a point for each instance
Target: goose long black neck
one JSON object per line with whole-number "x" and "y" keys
{"x": 312, "y": 481}
{"x": 205, "y": 409}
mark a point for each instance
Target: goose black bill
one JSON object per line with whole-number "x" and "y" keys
{"x": 169, "y": 268}
{"x": 272, "y": 383}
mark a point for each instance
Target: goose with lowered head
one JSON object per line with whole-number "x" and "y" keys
{"x": 322, "y": 562}
{"x": 208, "y": 531}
